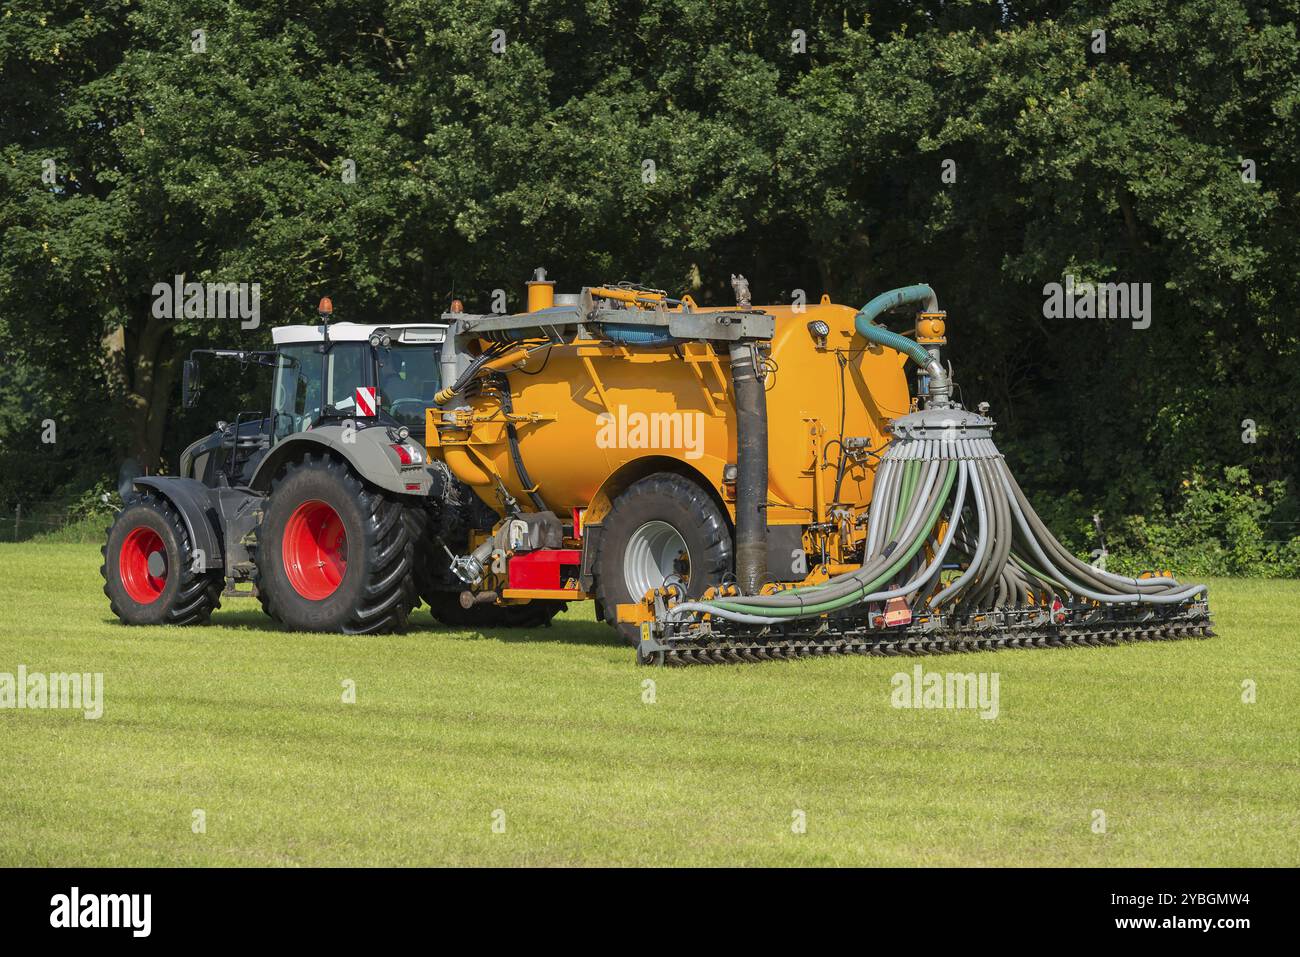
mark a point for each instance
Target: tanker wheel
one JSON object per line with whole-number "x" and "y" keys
{"x": 660, "y": 526}
{"x": 333, "y": 554}
{"x": 148, "y": 570}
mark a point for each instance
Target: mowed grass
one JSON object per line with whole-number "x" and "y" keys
{"x": 247, "y": 723}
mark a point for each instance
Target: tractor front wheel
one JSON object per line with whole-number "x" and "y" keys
{"x": 333, "y": 554}
{"x": 148, "y": 568}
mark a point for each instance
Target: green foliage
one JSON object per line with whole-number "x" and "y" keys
{"x": 88, "y": 529}
{"x": 816, "y": 171}
{"x": 1223, "y": 526}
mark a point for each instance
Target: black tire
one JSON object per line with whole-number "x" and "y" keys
{"x": 538, "y": 613}
{"x": 676, "y": 501}
{"x": 442, "y": 595}
{"x": 147, "y": 527}
{"x": 427, "y": 548}
{"x": 368, "y": 588}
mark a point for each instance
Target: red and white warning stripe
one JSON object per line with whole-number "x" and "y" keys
{"x": 366, "y": 403}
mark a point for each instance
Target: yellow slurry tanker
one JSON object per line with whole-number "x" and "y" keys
{"x": 752, "y": 482}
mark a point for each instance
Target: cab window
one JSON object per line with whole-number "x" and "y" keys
{"x": 409, "y": 378}
{"x": 309, "y": 384}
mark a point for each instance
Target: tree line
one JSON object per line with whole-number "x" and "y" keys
{"x": 393, "y": 154}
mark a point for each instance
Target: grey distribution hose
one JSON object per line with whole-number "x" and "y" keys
{"x": 937, "y": 563}
{"x": 981, "y": 543}
{"x": 850, "y": 588}
{"x": 1132, "y": 598}
{"x": 942, "y": 466}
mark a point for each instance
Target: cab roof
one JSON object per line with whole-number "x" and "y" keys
{"x": 413, "y": 333}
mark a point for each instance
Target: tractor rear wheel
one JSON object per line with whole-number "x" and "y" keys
{"x": 661, "y": 526}
{"x": 333, "y": 554}
{"x": 148, "y": 568}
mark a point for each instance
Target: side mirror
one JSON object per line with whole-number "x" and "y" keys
{"x": 190, "y": 385}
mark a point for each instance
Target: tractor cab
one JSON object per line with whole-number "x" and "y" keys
{"x": 365, "y": 373}
{"x": 356, "y": 371}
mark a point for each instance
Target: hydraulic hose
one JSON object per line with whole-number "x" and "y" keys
{"x": 864, "y": 322}
{"x": 512, "y": 439}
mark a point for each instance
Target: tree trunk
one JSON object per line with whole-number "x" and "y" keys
{"x": 164, "y": 382}
{"x": 141, "y": 364}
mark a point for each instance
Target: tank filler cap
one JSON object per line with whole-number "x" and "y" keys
{"x": 541, "y": 291}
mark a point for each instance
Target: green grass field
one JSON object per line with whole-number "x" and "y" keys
{"x": 248, "y": 724}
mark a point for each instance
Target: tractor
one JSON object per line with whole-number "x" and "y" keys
{"x": 325, "y": 502}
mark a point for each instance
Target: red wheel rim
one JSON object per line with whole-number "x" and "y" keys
{"x": 133, "y": 565}
{"x": 315, "y": 550}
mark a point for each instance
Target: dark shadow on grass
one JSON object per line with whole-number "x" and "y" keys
{"x": 247, "y": 616}
{"x": 561, "y": 631}
{"x": 221, "y": 621}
